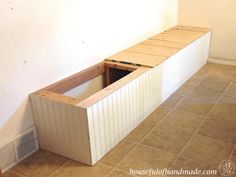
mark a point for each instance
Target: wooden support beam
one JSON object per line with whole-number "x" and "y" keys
{"x": 69, "y": 83}
{"x": 107, "y": 77}
{"x": 122, "y": 66}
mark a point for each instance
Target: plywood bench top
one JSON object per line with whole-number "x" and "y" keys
{"x": 158, "y": 48}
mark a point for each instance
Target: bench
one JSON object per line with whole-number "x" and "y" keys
{"x": 85, "y": 115}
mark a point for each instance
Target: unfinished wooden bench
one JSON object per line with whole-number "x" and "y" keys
{"x": 85, "y": 115}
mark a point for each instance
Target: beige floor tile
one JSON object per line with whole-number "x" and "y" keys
{"x": 118, "y": 153}
{"x": 181, "y": 119}
{"x": 144, "y": 157}
{"x": 174, "y": 131}
{"x": 184, "y": 89}
{"x": 189, "y": 164}
{"x": 223, "y": 110}
{"x": 221, "y": 73}
{"x": 173, "y": 139}
{"x": 172, "y": 101}
{"x": 157, "y": 115}
{"x": 41, "y": 163}
{"x": 212, "y": 82}
{"x": 225, "y": 67}
{"x": 195, "y": 105}
{"x": 11, "y": 174}
{"x": 118, "y": 173}
{"x": 199, "y": 75}
{"x": 207, "y": 150}
{"x": 75, "y": 169}
{"x": 220, "y": 128}
{"x": 231, "y": 90}
{"x": 227, "y": 99}
{"x": 170, "y": 139}
{"x": 193, "y": 81}
{"x": 138, "y": 133}
{"x": 205, "y": 69}
{"x": 205, "y": 93}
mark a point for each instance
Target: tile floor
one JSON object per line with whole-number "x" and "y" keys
{"x": 194, "y": 128}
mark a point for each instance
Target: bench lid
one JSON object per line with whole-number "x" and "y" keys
{"x": 158, "y": 48}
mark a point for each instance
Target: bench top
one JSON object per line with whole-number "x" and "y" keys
{"x": 160, "y": 47}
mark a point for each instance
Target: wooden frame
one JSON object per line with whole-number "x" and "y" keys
{"x": 86, "y": 129}
{"x": 55, "y": 91}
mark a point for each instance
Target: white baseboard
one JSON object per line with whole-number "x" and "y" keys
{"x": 222, "y": 61}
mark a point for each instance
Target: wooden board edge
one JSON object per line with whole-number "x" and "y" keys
{"x": 74, "y": 80}
{"x": 119, "y": 65}
{"x": 192, "y": 28}
{"x": 55, "y": 97}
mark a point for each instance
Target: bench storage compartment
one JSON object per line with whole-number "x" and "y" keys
{"x": 85, "y": 115}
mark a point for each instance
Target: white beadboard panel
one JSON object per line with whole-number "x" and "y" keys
{"x": 113, "y": 117}
{"x": 181, "y": 66}
{"x": 62, "y": 128}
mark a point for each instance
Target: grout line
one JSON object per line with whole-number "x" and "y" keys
{"x": 131, "y": 141}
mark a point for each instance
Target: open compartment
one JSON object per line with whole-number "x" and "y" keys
{"x": 86, "y": 83}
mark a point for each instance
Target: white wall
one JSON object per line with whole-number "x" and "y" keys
{"x": 43, "y": 41}
{"x": 218, "y": 15}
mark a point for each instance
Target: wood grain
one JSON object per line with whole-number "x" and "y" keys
{"x": 137, "y": 58}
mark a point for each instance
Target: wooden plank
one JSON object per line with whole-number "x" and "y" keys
{"x": 56, "y": 97}
{"x": 70, "y": 82}
{"x": 137, "y": 58}
{"x": 153, "y": 50}
{"x": 181, "y": 32}
{"x": 184, "y": 38}
{"x": 111, "y": 88}
{"x": 170, "y": 44}
{"x": 191, "y": 28}
{"x": 122, "y": 66}
{"x": 108, "y": 76}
